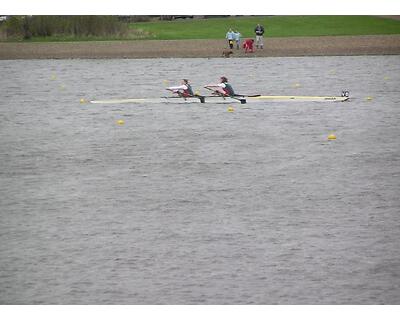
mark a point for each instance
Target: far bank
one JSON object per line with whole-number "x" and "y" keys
{"x": 274, "y": 47}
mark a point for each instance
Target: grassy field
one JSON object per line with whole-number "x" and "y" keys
{"x": 216, "y": 28}
{"x": 275, "y": 26}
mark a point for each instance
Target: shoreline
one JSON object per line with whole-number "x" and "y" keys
{"x": 139, "y": 49}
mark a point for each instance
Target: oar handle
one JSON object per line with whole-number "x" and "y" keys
{"x": 242, "y": 101}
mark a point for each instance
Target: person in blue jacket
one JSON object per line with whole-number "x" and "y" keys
{"x": 237, "y": 39}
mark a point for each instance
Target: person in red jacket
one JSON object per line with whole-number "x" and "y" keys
{"x": 248, "y": 45}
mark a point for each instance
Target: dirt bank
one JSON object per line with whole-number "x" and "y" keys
{"x": 301, "y": 46}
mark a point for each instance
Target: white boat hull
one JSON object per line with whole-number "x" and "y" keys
{"x": 171, "y": 100}
{"x": 217, "y": 100}
{"x": 297, "y": 98}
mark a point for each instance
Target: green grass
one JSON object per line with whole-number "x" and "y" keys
{"x": 275, "y": 26}
{"x": 216, "y": 28}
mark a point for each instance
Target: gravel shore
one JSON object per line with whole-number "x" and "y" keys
{"x": 274, "y": 47}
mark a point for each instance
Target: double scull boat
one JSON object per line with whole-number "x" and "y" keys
{"x": 218, "y": 99}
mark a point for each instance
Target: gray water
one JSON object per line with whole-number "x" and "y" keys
{"x": 191, "y": 204}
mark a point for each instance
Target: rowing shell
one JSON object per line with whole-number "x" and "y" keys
{"x": 217, "y": 99}
{"x": 298, "y": 98}
{"x": 167, "y": 100}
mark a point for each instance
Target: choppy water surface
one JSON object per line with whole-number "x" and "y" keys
{"x": 191, "y": 204}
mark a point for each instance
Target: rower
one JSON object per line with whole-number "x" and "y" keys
{"x": 185, "y": 90}
{"x": 223, "y": 88}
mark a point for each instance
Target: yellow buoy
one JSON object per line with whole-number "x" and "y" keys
{"x": 387, "y": 78}
{"x": 120, "y": 122}
{"x": 82, "y": 101}
{"x": 197, "y": 93}
{"x": 369, "y": 98}
{"x": 53, "y": 77}
{"x": 230, "y": 109}
{"x": 331, "y": 137}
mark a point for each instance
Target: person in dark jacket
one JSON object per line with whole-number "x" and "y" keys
{"x": 259, "y": 30}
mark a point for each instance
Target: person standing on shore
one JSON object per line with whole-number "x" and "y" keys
{"x": 230, "y": 36}
{"x": 237, "y": 39}
{"x": 259, "y": 30}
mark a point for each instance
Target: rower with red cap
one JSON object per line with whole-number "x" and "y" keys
{"x": 223, "y": 88}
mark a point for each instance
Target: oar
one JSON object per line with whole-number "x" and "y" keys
{"x": 242, "y": 101}
{"x": 200, "y": 97}
{"x": 236, "y": 94}
{"x": 180, "y": 95}
{"x": 250, "y": 95}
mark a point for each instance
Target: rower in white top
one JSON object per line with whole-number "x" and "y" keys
{"x": 225, "y": 90}
{"x": 185, "y": 91}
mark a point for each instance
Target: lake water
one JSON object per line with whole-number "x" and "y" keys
{"x": 191, "y": 204}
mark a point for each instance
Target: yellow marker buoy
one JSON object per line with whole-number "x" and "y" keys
{"x": 369, "y": 98}
{"x": 230, "y": 109}
{"x": 120, "y": 122}
{"x": 197, "y": 93}
{"x": 331, "y": 137}
{"x": 53, "y": 77}
{"x": 387, "y": 78}
{"x": 82, "y": 101}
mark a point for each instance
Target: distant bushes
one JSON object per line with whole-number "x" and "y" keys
{"x": 27, "y": 27}
{"x": 14, "y": 26}
{"x": 133, "y": 19}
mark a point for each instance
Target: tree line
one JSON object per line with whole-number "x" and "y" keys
{"x": 27, "y": 27}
